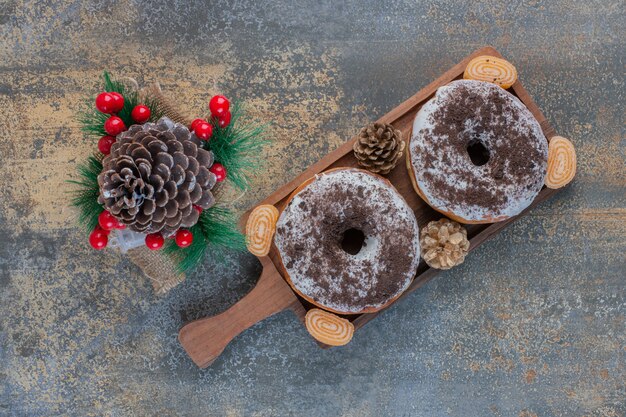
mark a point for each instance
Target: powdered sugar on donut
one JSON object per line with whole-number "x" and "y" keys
{"x": 465, "y": 112}
{"x": 308, "y": 238}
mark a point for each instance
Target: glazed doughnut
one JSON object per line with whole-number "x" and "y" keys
{"x": 260, "y": 229}
{"x": 328, "y": 328}
{"x": 347, "y": 241}
{"x": 561, "y": 162}
{"x": 491, "y": 69}
{"x": 476, "y": 154}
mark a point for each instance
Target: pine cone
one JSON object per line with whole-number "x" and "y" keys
{"x": 154, "y": 175}
{"x": 444, "y": 244}
{"x": 379, "y": 147}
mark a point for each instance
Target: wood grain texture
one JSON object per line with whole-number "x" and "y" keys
{"x": 402, "y": 118}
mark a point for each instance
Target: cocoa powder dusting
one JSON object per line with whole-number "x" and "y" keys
{"x": 511, "y": 152}
{"x": 330, "y": 266}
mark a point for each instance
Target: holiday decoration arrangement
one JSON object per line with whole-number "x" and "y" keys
{"x": 357, "y": 231}
{"x": 152, "y": 188}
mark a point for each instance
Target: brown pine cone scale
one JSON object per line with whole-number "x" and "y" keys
{"x": 443, "y": 244}
{"x": 378, "y": 148}
{"x": 154, "y": 175}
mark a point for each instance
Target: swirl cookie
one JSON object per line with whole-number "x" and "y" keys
{"x": 328, "y": 328}
{"x": 491, "y": 69}
{"x": 260, "y": 229}
{"x": 561, "y": 162}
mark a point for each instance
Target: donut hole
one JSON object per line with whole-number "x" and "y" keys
{"x": 352, "y": 241}
{"x": 478, "y": 152}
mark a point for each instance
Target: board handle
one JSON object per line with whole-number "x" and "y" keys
{"x": 205, "y": 339}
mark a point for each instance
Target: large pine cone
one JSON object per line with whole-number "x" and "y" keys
{"x": 154, "y": 175}
{"x": 379, "y": 147}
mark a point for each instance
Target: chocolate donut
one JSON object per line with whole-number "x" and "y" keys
{"x": 477, "y": 154}
{"x": 348, "y": 242}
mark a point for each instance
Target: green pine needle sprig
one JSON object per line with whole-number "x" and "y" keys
{"x": 238, "y": 147}
{"x": 85, "y": 196}
{"x": 216, "y": 229}
{"x": 92, "y": 120}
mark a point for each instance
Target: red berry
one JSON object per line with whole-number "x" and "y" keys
{"x": 219, "y": 105}
{"x": 184, "y": 238}
{"x": 114, "y": 126}
{"x": 107, "y": 221}
{"x": 203, "y": 130}
{"x": 120, "y": 226}
{"x": 154, "y": 241}
{"x": 101, "y": 230}
{"x": 224, "y": 119}
{"x": 141, "y": 113}
{"x": 98, "y": 239}
{"x": 219, "y": 171}
{"x": 105, "y": 103}
{"x": 195, "y": 123}
{"x": 104, "y": 144}
{"x": 118, "y": 101}
{"x": 198, "y": 209}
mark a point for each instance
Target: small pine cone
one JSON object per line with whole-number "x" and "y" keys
{"x": 379, "y": 147}
{"x": 154, "y": 175}
{"x": 444, "y": 244}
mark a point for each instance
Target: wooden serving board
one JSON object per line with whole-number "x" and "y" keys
{"x": 206, "y": 338}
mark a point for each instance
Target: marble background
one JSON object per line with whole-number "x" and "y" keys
{"x": 532, "y": 324}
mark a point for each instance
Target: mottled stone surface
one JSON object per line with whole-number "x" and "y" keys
{"x": 531, "y": 325}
